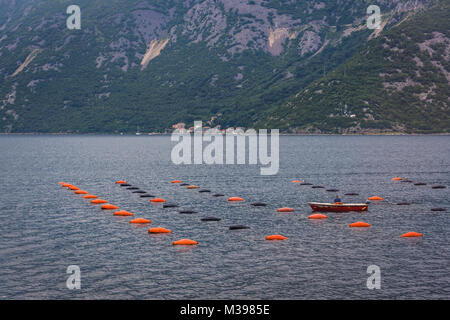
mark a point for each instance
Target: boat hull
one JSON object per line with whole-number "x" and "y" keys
{"x": 331, "y": 207}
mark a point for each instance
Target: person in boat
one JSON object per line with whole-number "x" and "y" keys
{"x": 337, "y": 200}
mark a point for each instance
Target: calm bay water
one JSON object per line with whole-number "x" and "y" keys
{"x": 45, "y": 228}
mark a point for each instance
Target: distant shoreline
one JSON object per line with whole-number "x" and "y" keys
{"x": 168, "y": 134}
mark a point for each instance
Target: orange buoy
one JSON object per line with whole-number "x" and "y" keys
{"x": 193, "y": 187}
{"x": 375, "y": 198}
{"x": 61, "y": 183}
{"x": 297, "y": 181}
{"x": 123, "y": 213}
{"x": 98, "y": 201}
{"x": 90, "y": 196}
{"x": 276, "y": 237}
{"x": 66, "y": 185}
{"x": 176, "y": 181}
{"x": 397, "y": 179}
{"x": 235, "y": 199}
{"x": 140, "y": 220}
{"x": 157, "y": 200}
{"x": 317, "y": 216}
{"x": 81, "y": 192}
{"x": 412, "y": 234}
{"x": 159, "y": 230}
{"x": 73, "y": 188}
{"x": 285, "y": 210}
{"x": 109, "y": 207}
{"x": 120, "y": 182}
{"x": 184, "y": 242}
{"x": 359, "y": 224}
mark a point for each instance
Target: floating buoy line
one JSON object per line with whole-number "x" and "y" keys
{"x": 105, "y": 205}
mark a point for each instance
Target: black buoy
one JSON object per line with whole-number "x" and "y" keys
{"x": 351, "y": 194}
{"x": 438, "y": 187}
{"x": 238, "y": 227}
{"x": 258, "y": 204}
{"x": 218, "y": 195}
{"x": 305, "y": 184}
{"x": 132, "y": 188}
{"x": 420, "y": 184}
{"x": 139, "y": 191}
{"x": 317, "y": 187}
{"x": 147, "y": 196}
{"x": 332, "y": 190}
{"x": 184, "y": 184}
{"x": 170, "y": 205}
{"x": 204, "y": 190}
{"x": 438, "y": 209}
{"x": 187, "y": 211}
{"x": 406, "y": 180}
{"x": 210, "y": 219}
{"x": 125, "y": 185}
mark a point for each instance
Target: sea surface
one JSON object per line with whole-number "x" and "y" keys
{"x": 45, "y": 228}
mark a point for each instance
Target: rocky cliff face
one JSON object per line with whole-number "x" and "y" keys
{"x": 156, "y": 62}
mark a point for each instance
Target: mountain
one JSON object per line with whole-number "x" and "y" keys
{"x": 398, "y": 82}
{"x": 148, "y": 64}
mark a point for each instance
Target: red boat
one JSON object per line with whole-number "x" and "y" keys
{"x": 338, "y": 207}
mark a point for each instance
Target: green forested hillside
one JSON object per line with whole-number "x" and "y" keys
{"x": 397, "y": 82}
{"x": 249, "y": 63}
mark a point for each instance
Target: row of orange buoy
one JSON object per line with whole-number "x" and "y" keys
{"x": 108, "y": 206}
{"x": 358, "y": 224}
{"x": 420, "y": 184}
{"x": 363, "y": 224}
{"x": 239, "y": 199}
{"x": 160, "y": 230}
{"x": 235, "y": 199}
{"x": 318, "y": 216}
{"x": 376, "y": 198}
{"x": 188, "y": 241}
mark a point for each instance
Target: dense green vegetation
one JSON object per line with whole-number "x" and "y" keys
{"x": 66, "y": 89}
{"x": 381, "y": 86}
